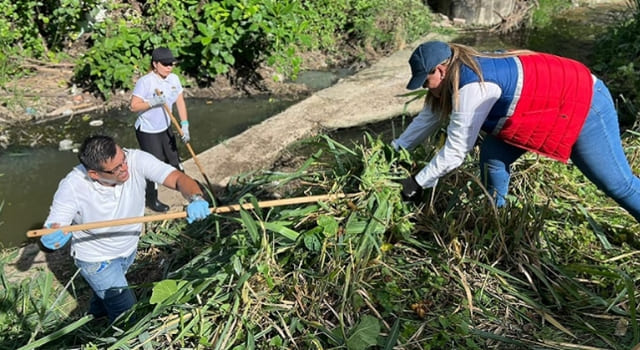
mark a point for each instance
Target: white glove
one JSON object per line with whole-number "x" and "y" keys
{"x": 157, "y": 100}
{"x": 185, "y": 131}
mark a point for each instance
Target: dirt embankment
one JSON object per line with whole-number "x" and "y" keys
{"x": 47, "y": 92}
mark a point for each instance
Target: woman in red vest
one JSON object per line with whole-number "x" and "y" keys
{"x": 524, "y": 101}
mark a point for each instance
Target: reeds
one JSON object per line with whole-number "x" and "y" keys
{"x": 549, "y": 271}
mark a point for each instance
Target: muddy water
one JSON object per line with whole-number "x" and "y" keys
{"x": 29, "y": 176}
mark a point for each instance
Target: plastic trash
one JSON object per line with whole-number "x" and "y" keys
{"x": 65, "y": 145}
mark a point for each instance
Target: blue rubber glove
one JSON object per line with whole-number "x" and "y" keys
{"x": 198, "y": 209}
{"x": 185, "y": 131}
{"x": 55, "y": 240}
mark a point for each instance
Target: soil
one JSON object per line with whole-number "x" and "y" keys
{"x": 46, "y": 91}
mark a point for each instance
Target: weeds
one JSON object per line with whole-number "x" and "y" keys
{"x": 374, "y": 271}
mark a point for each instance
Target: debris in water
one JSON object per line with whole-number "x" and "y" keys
{"x": 65, "y": 145}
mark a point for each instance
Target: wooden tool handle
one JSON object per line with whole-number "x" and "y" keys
{"x": 183, "y": 214}
{"x": 179, "y": 128}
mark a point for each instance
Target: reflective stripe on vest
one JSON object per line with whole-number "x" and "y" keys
{"x": 545, "y": 100}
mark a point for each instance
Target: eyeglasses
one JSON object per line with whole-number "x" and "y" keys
{"x": 118, "y": 167}
{"x": 167, "y": 64}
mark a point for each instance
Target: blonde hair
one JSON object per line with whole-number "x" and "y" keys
{"x": 460, "y": 54}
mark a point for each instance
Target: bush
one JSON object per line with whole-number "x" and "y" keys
{"x": 209, "y": 37}
{"x": 617, "y": 61}
{"x": 38, "y": 29}
{"x": 213, "y": 37}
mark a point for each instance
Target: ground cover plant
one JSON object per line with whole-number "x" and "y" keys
{"x": 557, "y": 269}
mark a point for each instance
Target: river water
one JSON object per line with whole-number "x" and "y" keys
{"x": 29, "y": 176}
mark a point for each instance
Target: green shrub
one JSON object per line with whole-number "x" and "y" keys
{"x": 18, "y": 35}
{"x": 113, "y": 61}
{"x": 617, "y": 62}
{"x": 38, "y": 29}
{"x": 213, "y": 37}
{"x": 209, "y": 37}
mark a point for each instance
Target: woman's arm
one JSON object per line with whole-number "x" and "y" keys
{"x": 138, "y": 105}
{"x": 421, "y": 127}
{"x": 475, "y": 102}
{"x": 182, "y": 108}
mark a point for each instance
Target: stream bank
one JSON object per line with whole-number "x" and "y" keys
{"x": 369, "y": 96}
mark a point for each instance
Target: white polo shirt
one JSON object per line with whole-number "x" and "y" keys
{"x": 79, "y": 200}
{"x": 156, "y": 120}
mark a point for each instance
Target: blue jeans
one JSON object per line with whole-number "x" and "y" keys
{"x": 111, "y": 295}
{"x": 597, "y": 153}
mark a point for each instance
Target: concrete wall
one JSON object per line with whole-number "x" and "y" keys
{"x": 479, "y": 12}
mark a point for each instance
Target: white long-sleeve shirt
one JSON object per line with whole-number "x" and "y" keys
{"x": 475, "y": 102}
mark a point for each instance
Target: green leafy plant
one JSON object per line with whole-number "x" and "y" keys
{"x": 370, "y": 270}
{"x": 211, "y": 38}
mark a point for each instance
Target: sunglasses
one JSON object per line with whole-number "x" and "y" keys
{"x": 117, "y": 169}
{"x": 167, "y": 64}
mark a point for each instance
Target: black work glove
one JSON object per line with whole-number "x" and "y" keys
{"x": 411, "y": 190}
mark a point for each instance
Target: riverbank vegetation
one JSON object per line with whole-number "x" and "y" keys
{"x": 556, "y": 269}
{"x": 617, "y": 61}
{"x": 109, "y": 41}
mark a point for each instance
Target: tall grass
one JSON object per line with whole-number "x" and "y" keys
{"x": 550, "y": 271}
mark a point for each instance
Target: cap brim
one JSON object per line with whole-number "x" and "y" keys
{"x": 164, "y": 59}
{"x": 417, "y": 81}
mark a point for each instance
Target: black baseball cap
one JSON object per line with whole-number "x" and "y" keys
{"x": 163, "y": 55}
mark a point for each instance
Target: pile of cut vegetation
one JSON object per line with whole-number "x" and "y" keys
{"x": 558, "y": 268}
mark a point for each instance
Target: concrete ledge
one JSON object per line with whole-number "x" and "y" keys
{"x": 368, "y": 96}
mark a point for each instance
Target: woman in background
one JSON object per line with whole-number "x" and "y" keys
{"x": 153, "y": 126}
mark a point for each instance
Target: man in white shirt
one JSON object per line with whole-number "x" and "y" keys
{"x": 110, "y": 184}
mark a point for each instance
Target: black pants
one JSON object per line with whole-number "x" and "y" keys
{"x": 164, "y": 147}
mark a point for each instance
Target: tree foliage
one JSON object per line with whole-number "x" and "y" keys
{"x": 209, "y": 37}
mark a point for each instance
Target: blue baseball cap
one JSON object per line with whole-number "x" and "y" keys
{"x": 424, "y": 59}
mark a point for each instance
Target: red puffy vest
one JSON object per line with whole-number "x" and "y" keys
{"x": 551, "y": 107}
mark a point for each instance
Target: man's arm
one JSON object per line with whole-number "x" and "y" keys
{"x": 62, "y": 211}
{"x": 198, "y": 208}
{"x": 177, "y": 180}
